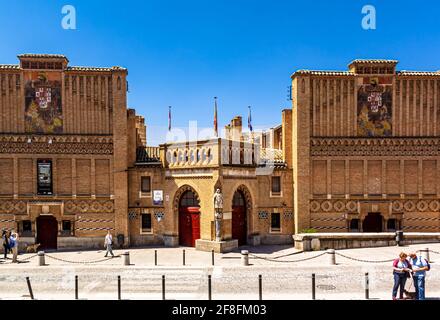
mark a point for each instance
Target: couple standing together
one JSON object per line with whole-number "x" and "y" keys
{"x": 10, "y": 243}
{"x": 415, "y": 267}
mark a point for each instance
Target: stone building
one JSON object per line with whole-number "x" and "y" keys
{"x": 74, "y": 164}
{"x": 366, "y": 149}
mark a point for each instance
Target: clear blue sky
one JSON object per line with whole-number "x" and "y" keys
{"x": 183, "y": 53}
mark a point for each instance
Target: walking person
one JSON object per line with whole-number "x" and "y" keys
{"x": 401, "y": 271}
{"x": 5, "y": 237}
{"x": 13, "y": 244}
{"x": 108, "y": 242}
{"x": 419, "y": 268}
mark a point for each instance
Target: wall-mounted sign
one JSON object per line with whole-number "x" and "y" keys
{"x": 157, "y": 197}
{"x": 44, "y": 172}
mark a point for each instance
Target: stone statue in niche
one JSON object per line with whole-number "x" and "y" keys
{"x": 218, "y": 213}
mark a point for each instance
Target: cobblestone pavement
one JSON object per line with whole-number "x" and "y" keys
{"x": 230, "y": 280}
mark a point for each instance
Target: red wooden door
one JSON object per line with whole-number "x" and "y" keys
{"x": 239, "y": 228}
{"x": 189, "y": 226}
{"x": 47, "y": 232}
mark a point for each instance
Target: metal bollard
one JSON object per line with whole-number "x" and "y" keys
{"x": 425, "y": 254}
{"x": 367, "y": 287}
{"x": 183, "y": 256}
{"x": 155, "y": 257}
{"x": 76, "y": 287}
{"x": 30, "y": 288}
{"x": 332, "y": 256}
{"x": 119, "y": 287}
{"x": 260, "y": 287}
{"x": 41, "y": 258}
{"x": 126, "y": 258}
{"x": 313, "y": 287}
{"x": 212, "y": 256}
{"x": 209, "y": 288}
{"x": 163, "y": 287}
{"x": 245, "y": 257}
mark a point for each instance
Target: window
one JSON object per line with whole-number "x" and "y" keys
{"x": 67, "y": 225}
{"x": 275, "y": 222}
{"x": 146, "y": 222}
{"x": 189, "y": 199}
{"x": 146, "y": 184}
{"x": 44, "y": 179}
{"x": 391, "y": 225}
{"x": 276, "y": 185}
{"x": 27, "y": 227}
{"x": 354, "y": 225}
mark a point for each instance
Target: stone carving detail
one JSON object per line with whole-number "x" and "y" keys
{"x": 263, "y": 214}
{"x": 326, "y": 206}
{"x": 13, "y": 206}
{"x": 422, "y": 205}
{"x": 409, "y": 206}
{"x": 339, "y": 206}
{"x": 288, "y": 215}
{"x": 351, "y": 206}
{"x": 315, "y": 206}
{"x": 90, "y": 206}
{"x": 397, "y": 206}
{"x": 325, "y": 147}
{"x": 434, "y": 205}
{"x": 59, "y": 144}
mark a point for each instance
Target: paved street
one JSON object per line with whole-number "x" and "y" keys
{"x": 230, "y": 280}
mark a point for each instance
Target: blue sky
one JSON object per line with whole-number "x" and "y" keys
{"x": 183, "y": 53}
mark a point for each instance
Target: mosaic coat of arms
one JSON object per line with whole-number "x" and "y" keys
{"x": 43, "y": 108}
{"x": 375, "y": 107}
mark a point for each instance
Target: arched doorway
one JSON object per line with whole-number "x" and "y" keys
{"x": 239, "y": 221}
{"x": 47, "y": 232}
{"x": 372, "y": 222}
{"x": 189, "y": 219}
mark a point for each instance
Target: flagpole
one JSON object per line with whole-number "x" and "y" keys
{"x": 169, "y": 118}
{"x": 215, "y": 117}
{"x": 250, "y": 125}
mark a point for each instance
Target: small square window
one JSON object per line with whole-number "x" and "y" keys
{"x": 275, "y": 222}
{"x": 67, "y": 225}
{"x": 146, "y": 222}
{"x": 146, "y": 184}
{"x": 354, "y": 225}
{"x": 276, "y": 185}
{"x": 391, "y": 225}
{"x": 27, "y": 226}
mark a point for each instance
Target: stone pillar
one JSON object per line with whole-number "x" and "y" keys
{"x": 301, "y": 151}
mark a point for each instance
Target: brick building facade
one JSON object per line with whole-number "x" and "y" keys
{"x": 74, "y": 164}
{"x": 366, "y": 149}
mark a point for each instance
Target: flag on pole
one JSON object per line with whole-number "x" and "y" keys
{"x": 250, "y": 120}
{"x": 215, "y": 117}
{"x": 169, "y": 118}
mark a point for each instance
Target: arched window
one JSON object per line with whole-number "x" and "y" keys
{"x": 189, "y": 199}
{"x": 238, "y": 199}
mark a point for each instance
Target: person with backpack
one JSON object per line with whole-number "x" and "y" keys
{"x": 420, "y": 266}
{"x": 5, "y": 237}
{"x": 401, "y": 271}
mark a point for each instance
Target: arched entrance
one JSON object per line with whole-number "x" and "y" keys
{"x": 47, "y": 232}
{"x": 372, "y": 222}
{"x": 189, "y": 219}
{"x": 239, "y": 221}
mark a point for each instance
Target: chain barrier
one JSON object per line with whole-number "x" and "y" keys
{"x": 430, "y": 250}
{"x": 28, "y": 258}
{"x": 274, "y": 259}
{"x": 79, "y": 262}
{"x": 362, "y": 260}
